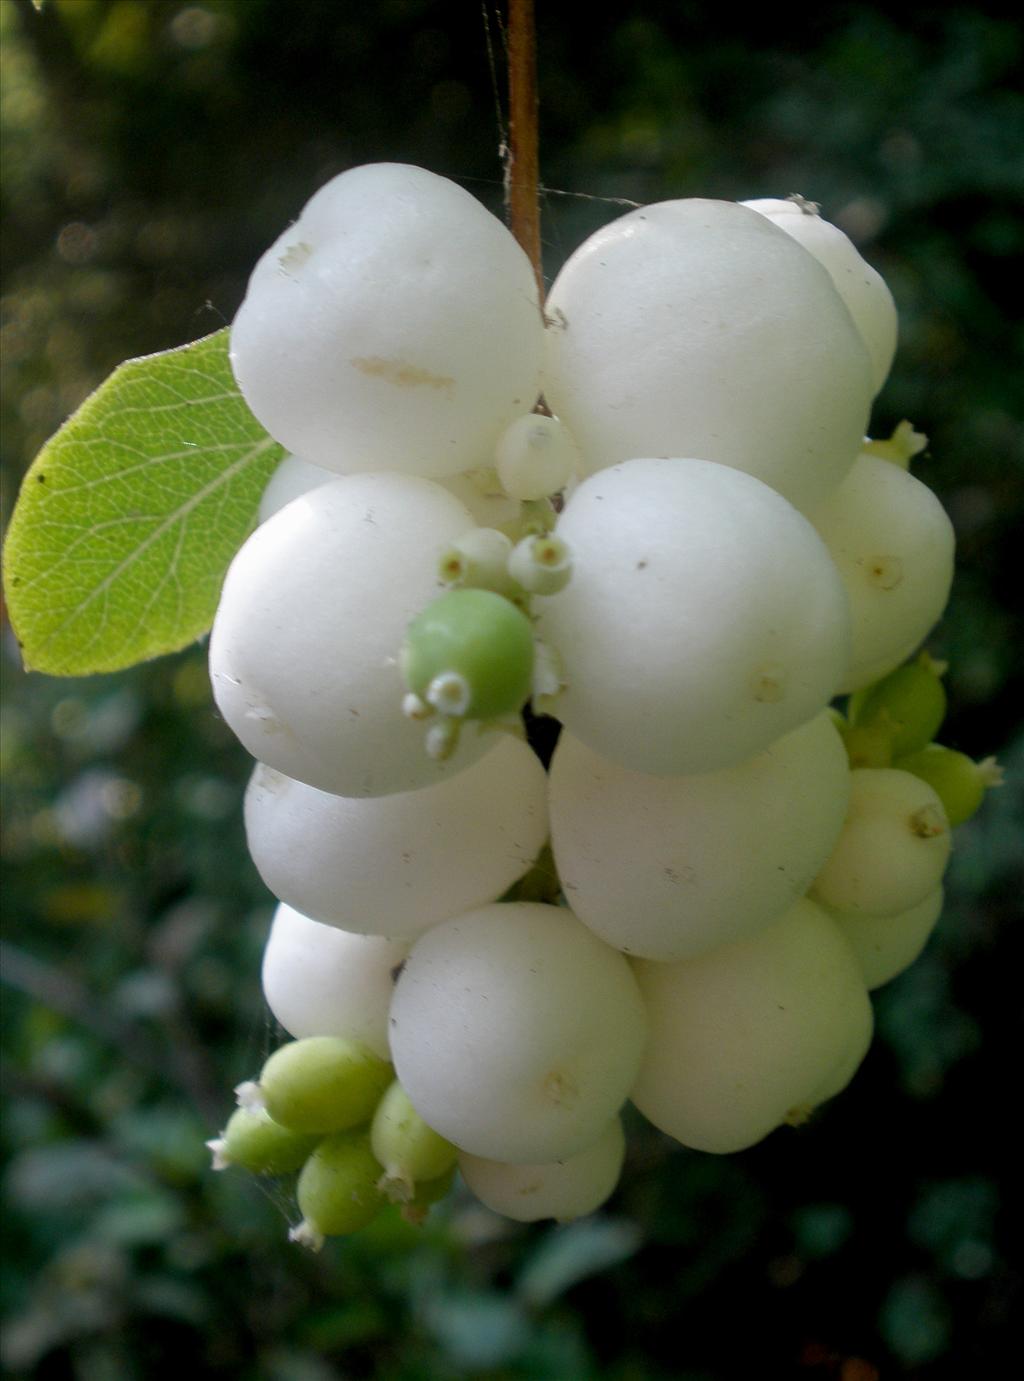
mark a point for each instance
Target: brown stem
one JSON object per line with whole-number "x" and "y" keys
{"x": 521, "y": 166}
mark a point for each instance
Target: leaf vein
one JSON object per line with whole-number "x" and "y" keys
{"x": 179, "y": 515}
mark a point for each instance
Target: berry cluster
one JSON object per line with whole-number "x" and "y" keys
{"x": 684, "y": 564}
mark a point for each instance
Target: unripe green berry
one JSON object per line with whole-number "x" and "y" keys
{"x": 867, "y": 745}
{"x": 469, "y": 654}
{"x": 909, "y": 704}
{"x": 958, "y": 781}
{"x": 337, "y": 1189}
{"x": 253, "y": 1141}
{"x": 323, "y": 1084}
{"x": 428, "y": 1192}
{"x": 409, "y": 1150}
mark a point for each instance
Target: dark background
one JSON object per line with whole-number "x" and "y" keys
{"x": 152, "y": 149}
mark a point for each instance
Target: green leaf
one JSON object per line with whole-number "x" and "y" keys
{"x": 130, "y": 515}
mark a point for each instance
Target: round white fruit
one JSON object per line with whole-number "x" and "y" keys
{"x": 892, "y": 543}
{"x": 861, "y": 287}
{"x": 893, "y": 849}
{"x": 536, "y": 456}
{"x": 562, "y": 1189}
{"x": 839, "y": 1076}
{"x": 394, "y": 326}
{"x": 481, "y": 492}
{"x": 699, "y": 328}
{"x": 886, "y": 945}
{"x": 516, "y": 1033}
{"x": 746, "y": 1036}
{"x": 668, "y": 867}
{"x": 704, "y": 618}
{"x": 394, "y": 865}
{"x": 304, "y": 648}
{"x": 321, "y": 981}
{"x": 292, "y": 478}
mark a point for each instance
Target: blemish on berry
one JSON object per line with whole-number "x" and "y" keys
{"x": 884, "y": 572}
{"x": 768, "y": 684}
{"x": 561, "y": 1088}
{"x": 928, "y": 822}
{"x": 295, "y": 256}
{"x": 402, "y": 374}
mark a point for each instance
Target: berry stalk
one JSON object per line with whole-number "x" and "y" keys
{"x": 521, "y": 159}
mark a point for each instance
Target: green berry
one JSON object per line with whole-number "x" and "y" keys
{"x": 323, "y": 1084}
{"x": 428, "y": 1192}
{"x": 409, "y": 1150}
{"x": 469, "y": 655}
{"x": 253, "y": 1141}
{"x": 909, "y": 704}
{"x": 867, "y": 745}
{"x": 958, "y": 781}
{"x": 337, "y": 1189}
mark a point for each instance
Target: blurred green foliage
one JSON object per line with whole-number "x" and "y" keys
{"x": 152, "y": 148}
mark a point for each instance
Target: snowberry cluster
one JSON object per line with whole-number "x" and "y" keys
{"x": 683, "y": 564}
